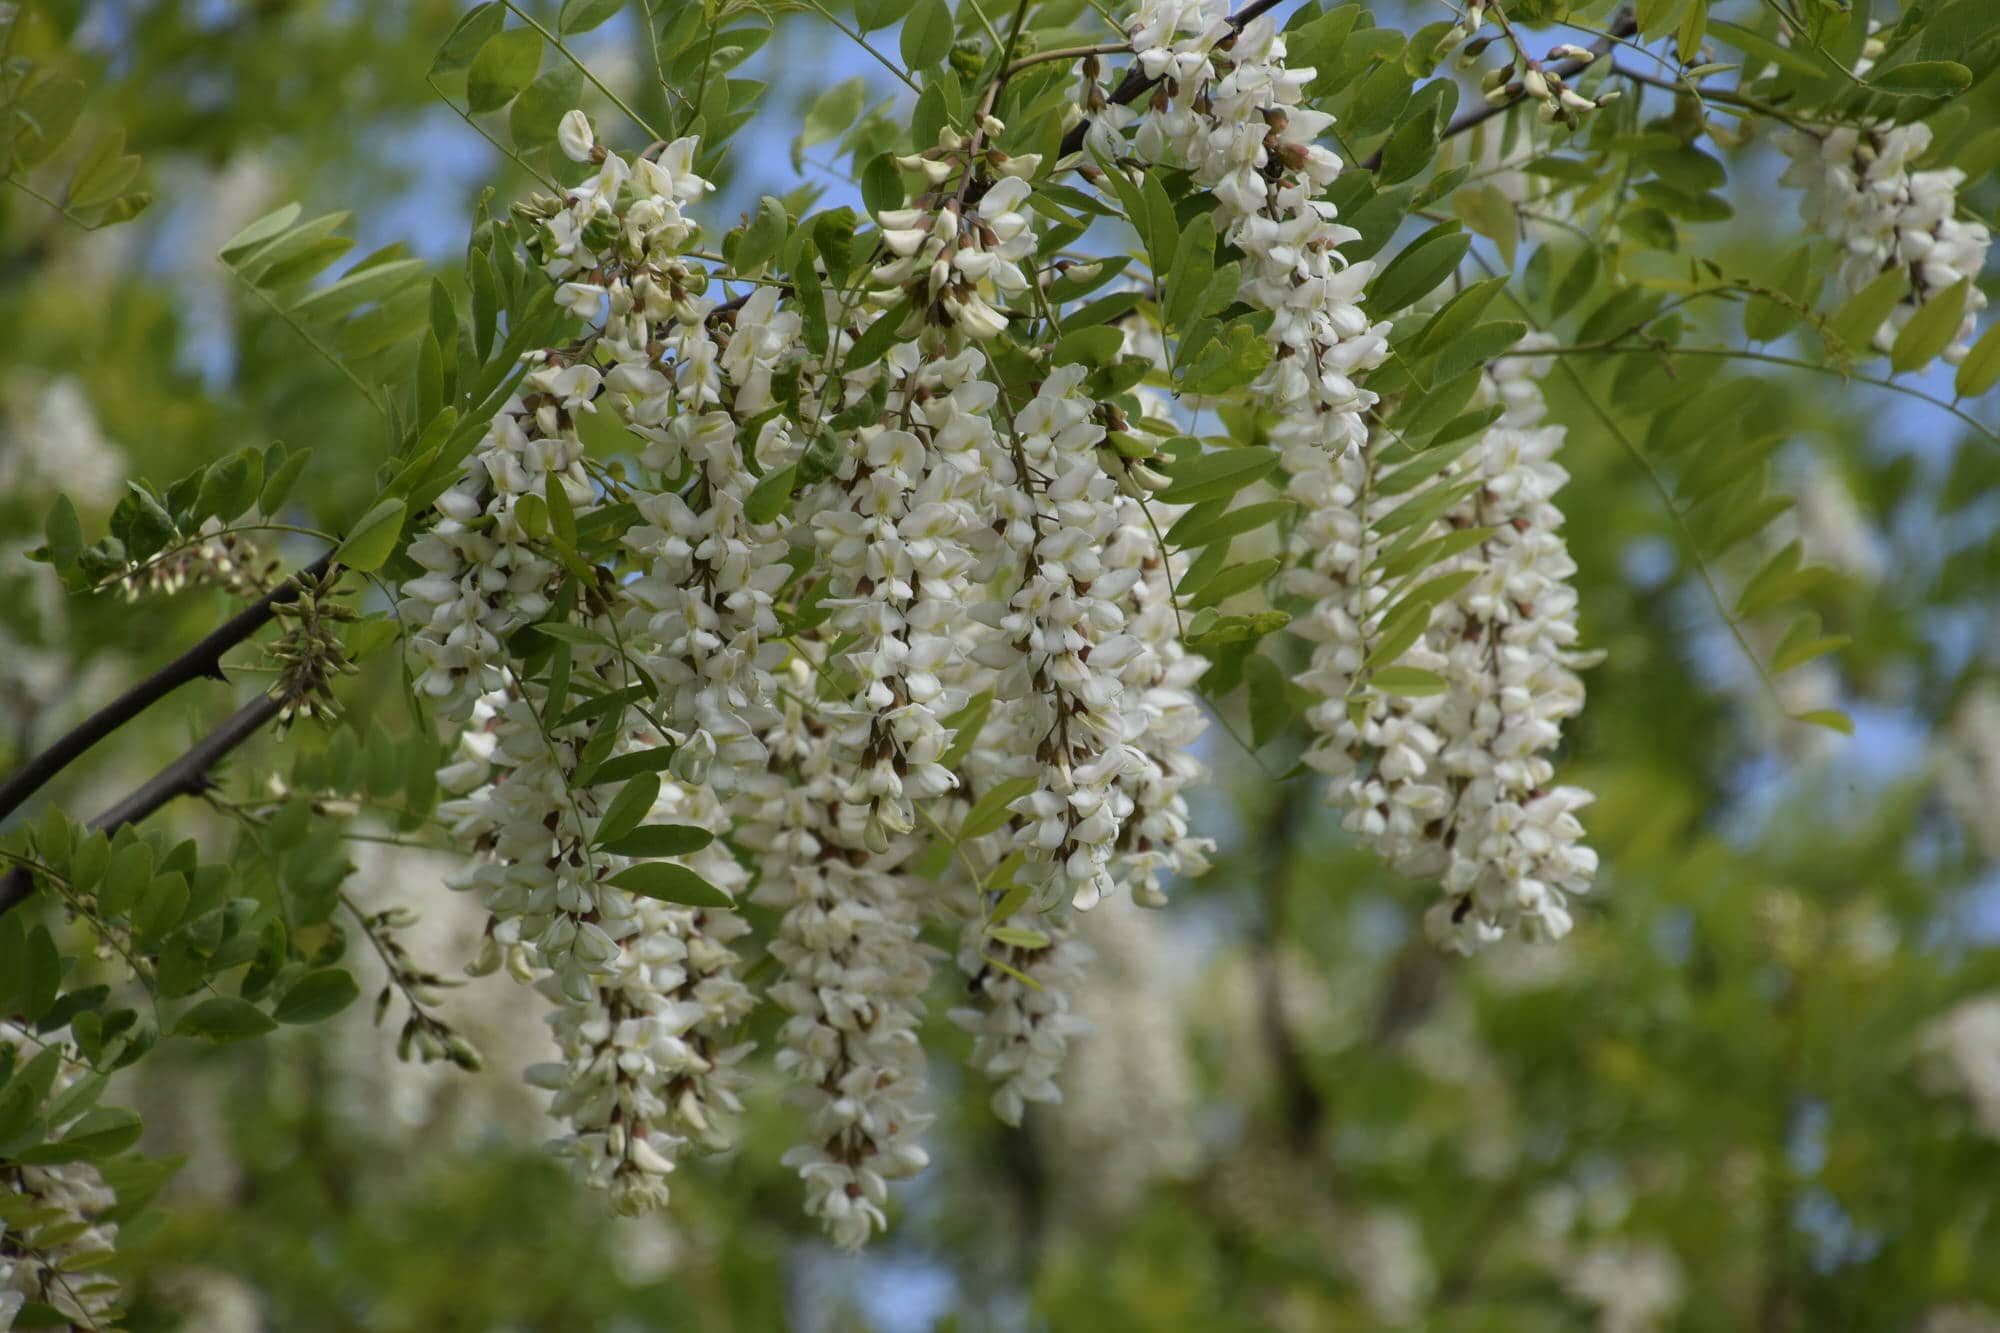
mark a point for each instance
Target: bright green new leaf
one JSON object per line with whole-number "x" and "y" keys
{"x": 371, "y": 540}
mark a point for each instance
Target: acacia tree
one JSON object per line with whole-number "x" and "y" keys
{"x": 784, "y": 607}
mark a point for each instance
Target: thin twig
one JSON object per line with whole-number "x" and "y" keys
{"x": 204, "y": 660}
{"x": 1135, "y": 84}
{"x": 185, "y": 776}
{"x": 1625, "y": 26}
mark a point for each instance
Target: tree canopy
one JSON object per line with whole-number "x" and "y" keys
{"x": 930, "y": 664}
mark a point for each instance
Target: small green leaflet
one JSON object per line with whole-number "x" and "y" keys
{"x": 372, "y": 539}
{"x": 990, "y": 811}
{"x": 670, "y": 883}
{"x": 650, "y": 840}
{"x": 627, "y": 808}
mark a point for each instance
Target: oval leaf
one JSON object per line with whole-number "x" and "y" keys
{"x": 671, "y": 883}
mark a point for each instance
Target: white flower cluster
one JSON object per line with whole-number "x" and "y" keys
{"x": 1455, "y": 784}
{"x": 646, "y": 993}
{"x": 1059, "y": 644}
{"x": 644, "y": 1071}
{"x": 1021, "y": 1038}
{"x": 69, "y": 1197}
{"x": 854, "y": 976}
{"x": 898, "y": 565}
{"x": 957, "y": 611}
{"x": 1861, "y": 191}
{"x": 1507, "y": 638}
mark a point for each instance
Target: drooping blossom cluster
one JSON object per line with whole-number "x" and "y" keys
{"x": 1454, "y": 780}
{"x": 1508, "y": 643}
{"x": 1861, "y": 189}
{"x": 885, "y": 627}
{"x": 1401, "y": 765}
{"x": 645, "y": 993}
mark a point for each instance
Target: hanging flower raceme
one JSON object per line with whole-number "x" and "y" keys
{"x": 853, "y": 974}
{"x": 1508, "y": 637}
{"x": 884, "y": 633}
{"x": 1860, "y": 189}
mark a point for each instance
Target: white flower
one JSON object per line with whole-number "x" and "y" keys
{"x": 575, "y": 136}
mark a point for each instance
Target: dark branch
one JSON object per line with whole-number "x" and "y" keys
{"x": 1624, "y": 27}
{"x": 202, "y": 660}
{"x": 186, "y": 776}
{"x": 1303, "y": 1107}
{"x": 1135, "y": 84}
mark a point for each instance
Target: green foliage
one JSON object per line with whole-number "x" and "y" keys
{"x": 1726, "y": 995}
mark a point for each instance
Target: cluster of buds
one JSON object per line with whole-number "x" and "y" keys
{"x": 1129, "y": 457}
{"x": 951, "y": 253}
{"x": 1556, "y": 102}
{"x": 425, "y": 1036}
{"x": 226, "y": 560}
{"x": 310, "y": 652}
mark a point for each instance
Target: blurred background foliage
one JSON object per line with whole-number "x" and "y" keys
{"x": 1758, "y": 1087}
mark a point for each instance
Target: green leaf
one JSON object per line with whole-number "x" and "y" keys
{"x": 1856, "y": 322}
{"x": 1416, "y": 272}
{"x": 1215, "y": 476}
{"x": 64, "y": 533}
{"x": 562, "y": 517}
{"x": 225, "y": 1018}
{"x": 1231, "y": 580}
{"x": 1210, "y": 630}
{"x": 1924, "y": 78}
{"x": 371, "y": 541}
{"x": 316, "y": 995}
{"x": 671, "y": 883}
{"x": 1096, "y": 346}
{"x": 48, "y": 112}
{"x": 503, "y": 67}
{"x": 538, "y": 111}
{"x": 881, "y": 185}
{"x": 990, "y": 811}
{"x": 165, "y": 903}
{"x": 764, "y": 237}
{"x": 876, "y": 340}
{"x": 104, "y": 1131}
{"x": 832, "y": 114}
{"x": 1764, "y": 318}
{"x": 229, "y": 486}
{"x": 1270, "y": 699}
{"x": 1830, "y": 718}
{"x": 281, "y": 473}
{"x": 264, "y": 229}
{"x": 965, "y": 726}
{"x": 872, "y": 14}
{"x": 1194, "y": 268}
{"x": 927, "y": 34}
{"x": 583, "y": 15}
{"x": 467, "y": 37}
{"x": 1476, "y": 346}
{"x": 1200, "y": 526}
{"x": 620, "y": 767}
{"x": 772, "y": 495}
{"x": 658, "y": 840}
{"x": 1017, "y": 937}
{"x": 1980, "y": 370}
{"x": 1931, "y": 329}
{"x": 1802, "y": 643}
{"x": 1756, "y": 44}
{"x": 102, "y": 174}
{"x": 628, "y": 808}
{"x": 1407, "y": 680}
